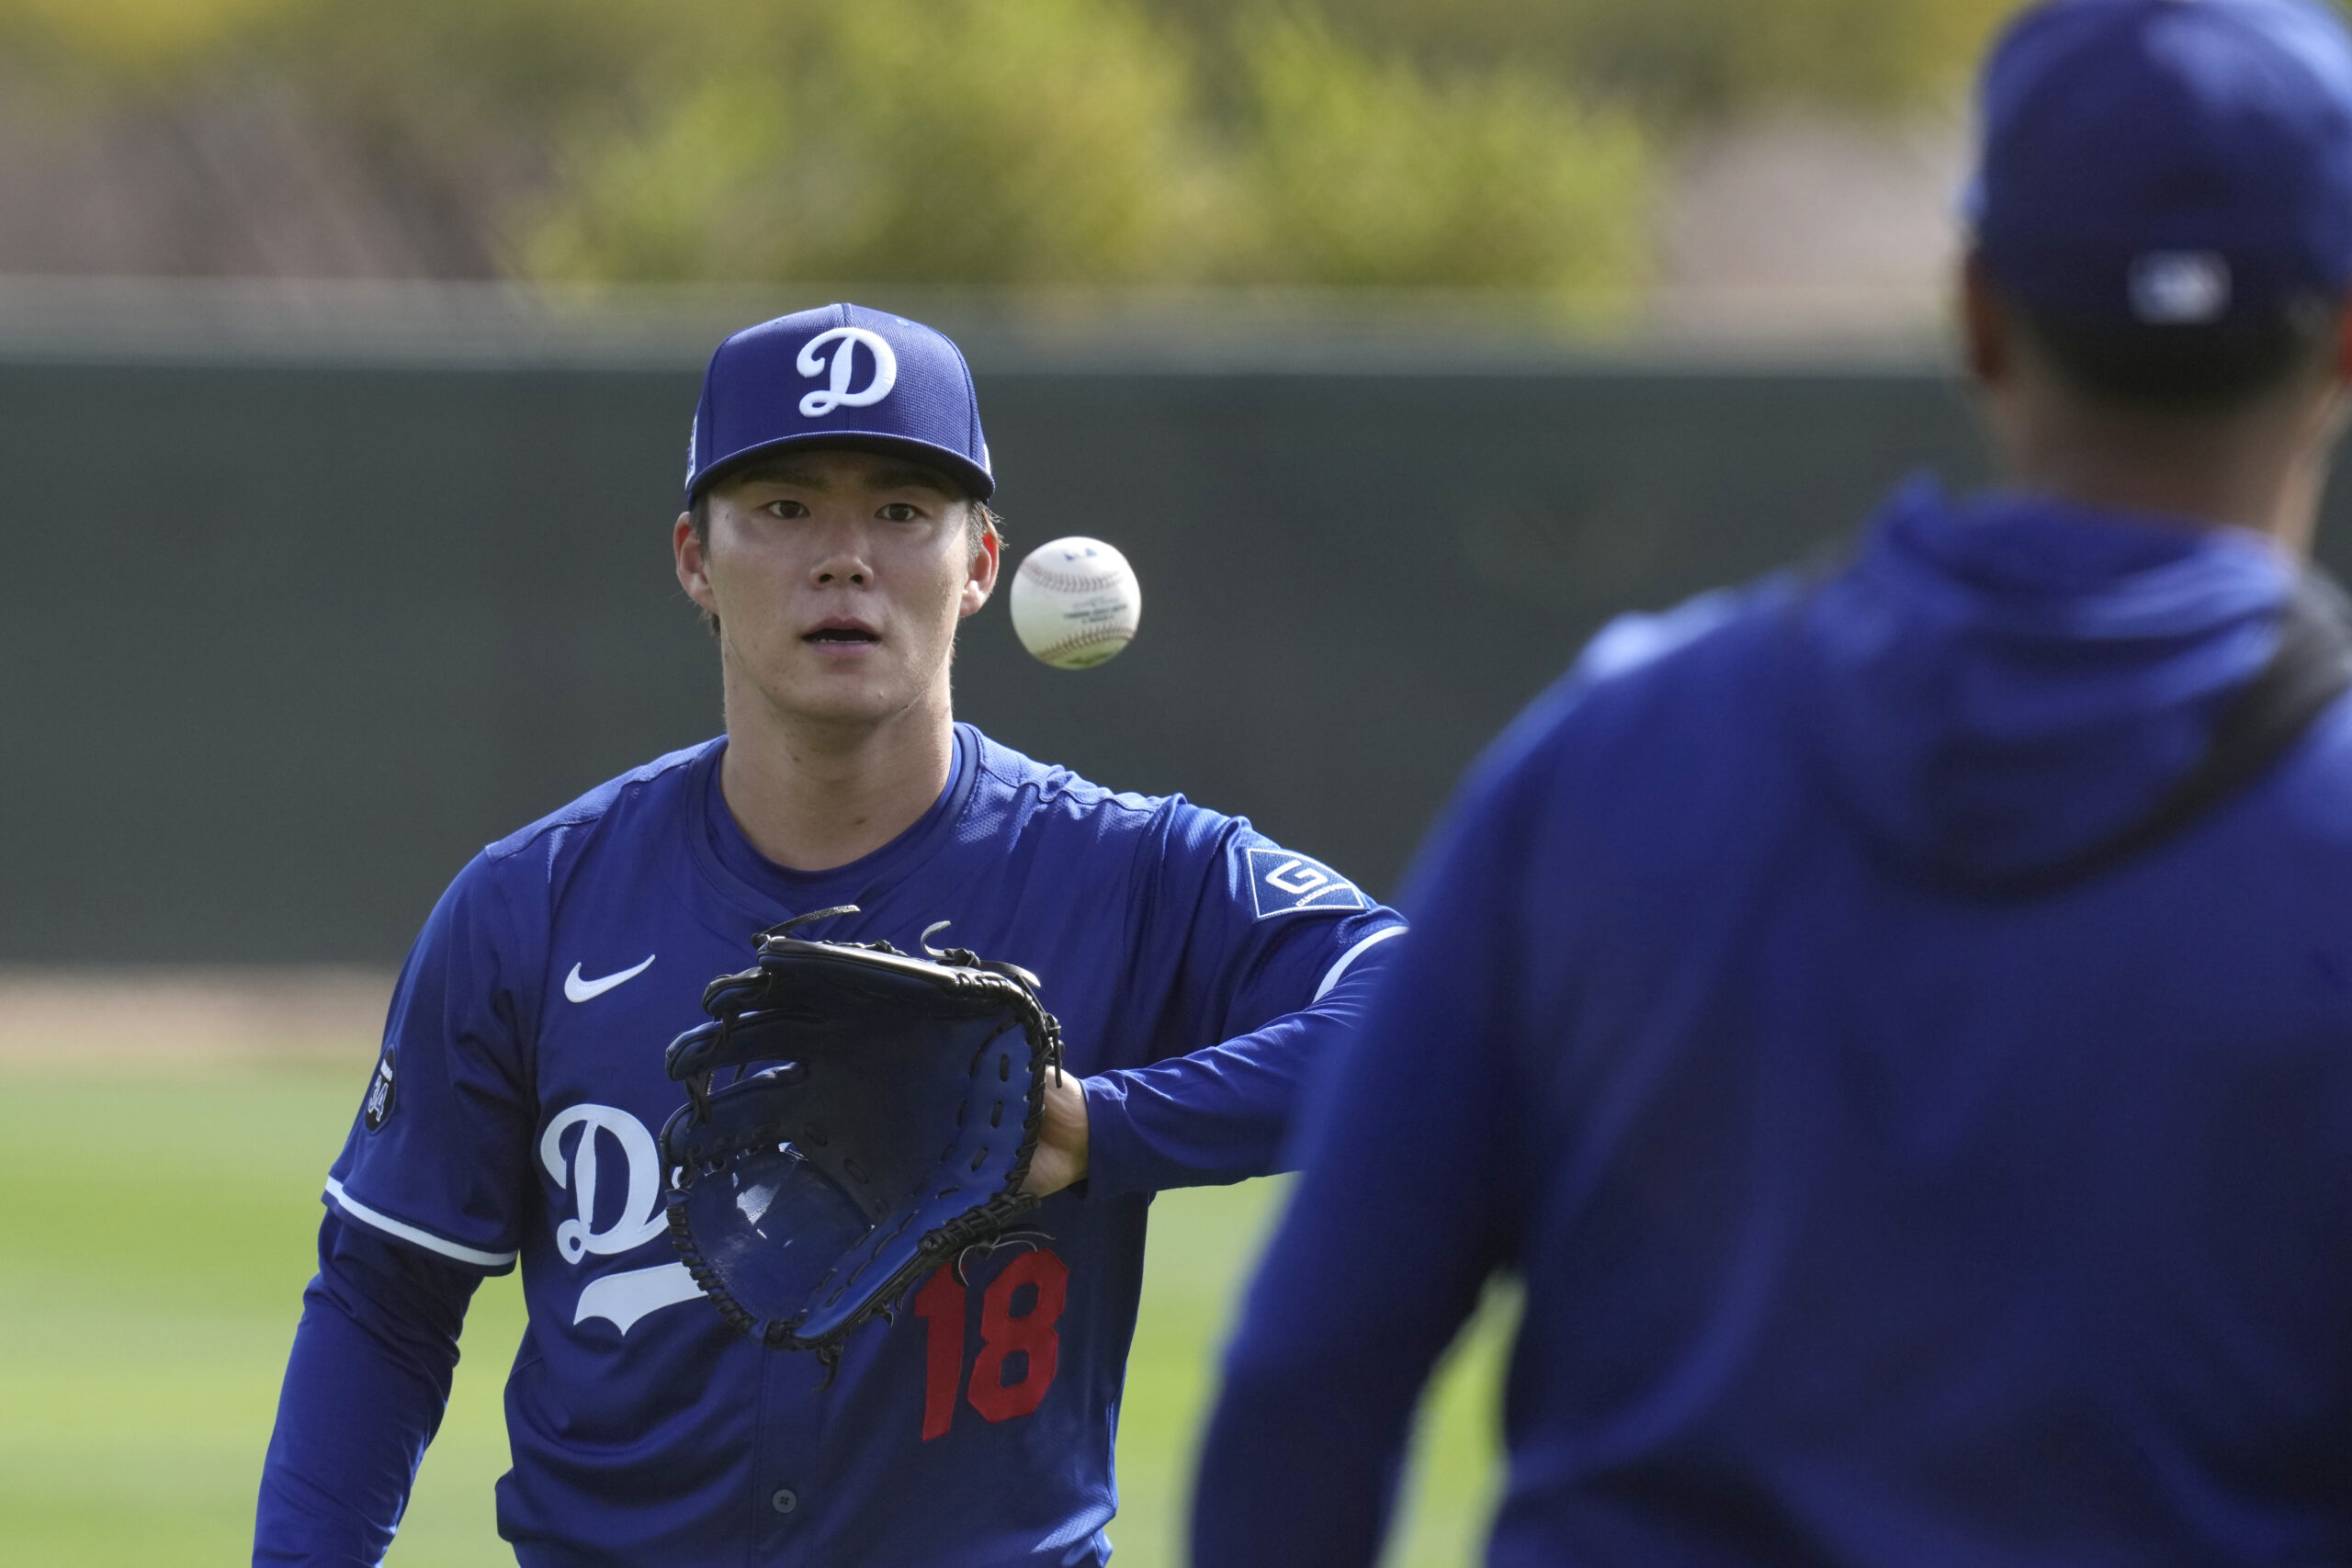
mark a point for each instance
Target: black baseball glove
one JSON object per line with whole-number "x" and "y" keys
{"x": 880, "y": 1119}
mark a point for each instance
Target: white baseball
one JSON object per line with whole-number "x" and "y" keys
{"x": 1075, "y": 603}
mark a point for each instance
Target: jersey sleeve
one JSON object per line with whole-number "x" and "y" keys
{"x": 437, "y": 1158}
{"x": 1404, "y": 1208}
{"x": 1262, "y": 959}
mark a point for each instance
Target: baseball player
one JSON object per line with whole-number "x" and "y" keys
{"x": 836, "y": 532}
{"x": 1897, "y": 1021}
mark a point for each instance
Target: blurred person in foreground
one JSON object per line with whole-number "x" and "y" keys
{"x": 1898, "y": 1022}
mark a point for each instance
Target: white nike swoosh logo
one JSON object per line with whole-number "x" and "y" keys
{"x": 579, "y": 990}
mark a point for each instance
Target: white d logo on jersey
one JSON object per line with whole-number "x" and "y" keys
{"x": 623, "y": 1297}
{"x": 578, "y": 1236}
{"x": 836, "y": 393}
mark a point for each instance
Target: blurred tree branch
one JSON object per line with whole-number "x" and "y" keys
{"x": 1456, "y": 143}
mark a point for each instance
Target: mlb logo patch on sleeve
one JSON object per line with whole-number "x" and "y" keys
{"x": 379, "y": 1093}
{"x": 1283, "y": 884}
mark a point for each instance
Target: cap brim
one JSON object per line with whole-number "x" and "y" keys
{"x": 977, "y": 482}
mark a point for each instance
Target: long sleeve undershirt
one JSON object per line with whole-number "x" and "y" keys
{"x": 365, "y": 1390}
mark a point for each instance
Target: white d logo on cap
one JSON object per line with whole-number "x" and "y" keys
{"x": 836, "y": 393}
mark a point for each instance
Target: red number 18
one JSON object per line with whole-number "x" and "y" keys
{"x": 940, "y": 1303}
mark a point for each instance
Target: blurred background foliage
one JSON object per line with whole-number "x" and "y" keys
{"x": 1452, "y": 144}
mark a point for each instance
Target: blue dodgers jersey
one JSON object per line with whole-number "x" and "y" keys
{"x": 515, "y": 1114}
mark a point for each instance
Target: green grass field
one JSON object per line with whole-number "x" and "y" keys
{"x": 153, "y": 1252}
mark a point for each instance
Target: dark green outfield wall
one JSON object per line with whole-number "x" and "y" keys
{"x": 284, "y": 644}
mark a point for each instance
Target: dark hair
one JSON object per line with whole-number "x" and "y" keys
{"x": 2205, "y": 368}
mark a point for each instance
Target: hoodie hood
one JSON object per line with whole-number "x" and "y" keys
{"x": 1996, "y": 685}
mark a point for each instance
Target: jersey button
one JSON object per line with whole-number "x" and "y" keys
{"x": 783, "y": 1499}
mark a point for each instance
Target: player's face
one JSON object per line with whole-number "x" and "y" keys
{"x": 838, "y": 579}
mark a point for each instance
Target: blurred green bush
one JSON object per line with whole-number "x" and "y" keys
{"x": 1451, "y": 143}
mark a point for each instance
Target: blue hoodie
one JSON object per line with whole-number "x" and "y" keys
{"x": 1864, "y": 1217}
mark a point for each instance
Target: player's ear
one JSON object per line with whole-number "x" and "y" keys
{"x": 2335, "y": 407}
{"x": 979, "y": 581}
{"x": 1987, "y": 334}
{"x": 689, "y": 554}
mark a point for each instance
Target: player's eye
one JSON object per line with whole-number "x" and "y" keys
{"x": 781, "y": 508}
{"x": 901, "y": 512}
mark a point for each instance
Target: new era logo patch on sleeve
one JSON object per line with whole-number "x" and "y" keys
{"x": 1283, "y": 884}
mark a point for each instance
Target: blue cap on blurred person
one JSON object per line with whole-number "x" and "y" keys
{"x": 841, "y": 376}
{"x": 2167, "y": 161}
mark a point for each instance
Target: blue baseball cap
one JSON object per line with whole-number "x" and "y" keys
{"x": 839, "y": 376}
{"x": 2167, "y": 161}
